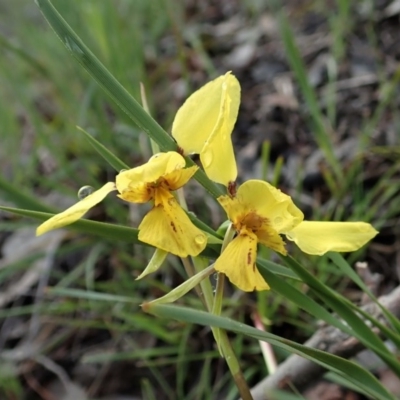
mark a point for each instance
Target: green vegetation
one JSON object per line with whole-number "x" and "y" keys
{"x": 87, "y": 290}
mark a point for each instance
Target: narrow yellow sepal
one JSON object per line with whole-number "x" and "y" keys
{"x": 185, "y": 287}
{"x": 76, "y": 211}
{"x": 204, "y": 124}
{"x": 317, "y": 237}
{"x": 155, "y": 263}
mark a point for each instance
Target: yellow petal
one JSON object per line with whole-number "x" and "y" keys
{"x": 271, "y": 239}
{"x": 234, "y": 209}
{"x": 132, "y": 184}
{"x": 196, "y": 120}
{"x": 140, "y": 192}
{"x": 238, "y": 263}
{"x": 76, "y": 211}
{"x": 163, "y": 196}
{"x": 218, "y": 158}
{"x": 270, "y": 203}
{"x": 167, "y": 227}
{"x": 321, "y": 237}
{"x": 157, "y": 166}
{"x": 176, "y": 179}
{"x": 204, "y": 125}
{"x": 243, "y": 216}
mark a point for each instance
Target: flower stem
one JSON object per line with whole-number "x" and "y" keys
{"x": 220, "y": 335}
{"x": 201, "y": 263}
{"x": 191, "y": 272}
{"x": 219, "y": 291}
{"x": 234, "y": 366}
{"x": 205, "y": 294}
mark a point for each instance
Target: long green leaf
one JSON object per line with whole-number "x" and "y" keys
{"x": 348, "y": 370}
{"x": 22, "y": 199}
{"x": 111, "y": 158}
{"x": 277, "y": 269}
{"x": 103, "y": 77}
{"x": 340, "y": 305}
{"x": 349, "y": 271}
{"x": 308, "y": 304}
{"x": 301, "y": 300}
{"x": 102, "y": 229}
{"x": 105, "y": 230}
{"x": 90, "y": 295}
{"x": 114, "y": 89}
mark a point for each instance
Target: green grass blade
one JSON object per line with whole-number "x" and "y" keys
{"x": 111, "y": 158}
{"x": 390, "y": 334}
{"x": 338, "y": 260}
{"x": 103, "y": 77}
{"x": 340, "y": 305}
{"x": 24, "y": 55}
{"x": 303, "y": 301}
{"x": 114, "y": 89}
{"x": 306, "y": 303}
{"x": 320, "y": 130}
{"x": 21, "y": 199}
{"x": 334, "y": 301}
{"x": 102, "y": 229}
{"x": 348, "y": 370}
{"x": 277, "y": 269}
{"x": 90, "y": 295}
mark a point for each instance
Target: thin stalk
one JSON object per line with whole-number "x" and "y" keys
{"x": 219, "y": 290}
{"x": 265, "y": 158}
{"x": 266, "y": 348}
{"x": 155, "y": 148}
{"x": 223, "y": 343}
{"x": 277, "y": 171}
{"x": 220, "y": 335}
{"x": 234, "y": 367}
{"x": 201, "y": 263}
{"x": 191, "y": 272}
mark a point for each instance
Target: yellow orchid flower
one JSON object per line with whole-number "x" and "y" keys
{"x": 204, "y": 124}
{"x": 166, "y": 226}
{"x": 260, "y": 213}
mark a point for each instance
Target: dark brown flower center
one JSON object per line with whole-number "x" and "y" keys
{"x": 251, "y": 221}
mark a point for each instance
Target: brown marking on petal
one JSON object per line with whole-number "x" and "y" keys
{"x": 150, "y": 190}
{"x": 254, "y": 267}
{"x": 173, "y": 226}
{"x": 249, "y": 257}
{"x": 232, "y": 188}
{"x": 253, "y": 221}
